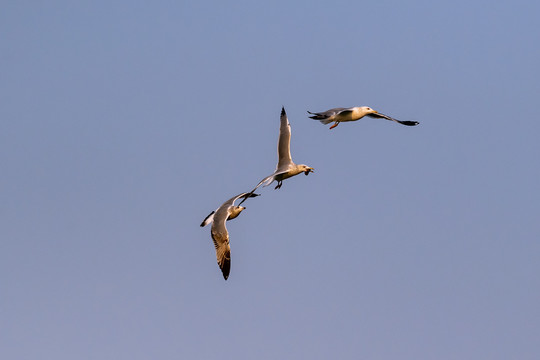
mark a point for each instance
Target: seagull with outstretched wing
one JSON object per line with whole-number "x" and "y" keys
{"x": 285, "y": 168}
{"x": 338, "y": 115}
{"x": 220, "y": 235}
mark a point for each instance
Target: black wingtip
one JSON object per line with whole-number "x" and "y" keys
{"x": 410, "y": 123}
{"x": 206, "y": 218}
{"x": 226, "y": 268}
{"x": 250, "y": 195}
{"x": 283, "y": 111}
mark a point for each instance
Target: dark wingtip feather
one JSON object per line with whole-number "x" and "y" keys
{"x": 410, "y": 123}
{"x": 226, "y": 268}
{"x": 283, "y": 111}
{"x": 248, "y": 195}
{"x": 206, "y": 218}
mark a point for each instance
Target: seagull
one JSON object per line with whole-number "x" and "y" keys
{"x": 285, "y": 168}
{"x": 220, "y": 235}
{"x": 338, "y": 115}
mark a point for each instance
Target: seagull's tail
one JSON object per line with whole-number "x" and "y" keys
{"x": 322, "y": 118}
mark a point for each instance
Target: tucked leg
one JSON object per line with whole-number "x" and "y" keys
{"x": 333, "y": 126}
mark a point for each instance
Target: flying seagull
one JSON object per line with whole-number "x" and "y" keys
{"x": 220, "y": 235}
{"x": 338, "y": 115}
{"x": 285, "y": 168}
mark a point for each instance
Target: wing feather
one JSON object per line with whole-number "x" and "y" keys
{"x": 207, "y": 220}
{"x": 223, "y": 251}
{"x": 284, "y": 141}
{"x": 382, "y": 116}
{"x": 220, "y": 236}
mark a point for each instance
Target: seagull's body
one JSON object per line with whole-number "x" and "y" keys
{"x": 220, "y": 235}
{"x": 338, "y": 115}
{"x": 285, "y": 168}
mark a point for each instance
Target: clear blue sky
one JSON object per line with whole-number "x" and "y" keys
{"x": 123, "y": 124}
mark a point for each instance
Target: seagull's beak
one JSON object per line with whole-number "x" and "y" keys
{"x": 309, "y": 169}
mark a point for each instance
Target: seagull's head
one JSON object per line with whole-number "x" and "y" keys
{"x": 235, "y": 211}
{"x": 367, "y": 110}
{"x": 306, "y": 169}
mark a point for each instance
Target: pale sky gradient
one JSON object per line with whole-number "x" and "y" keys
{"x": 123, "y": 124}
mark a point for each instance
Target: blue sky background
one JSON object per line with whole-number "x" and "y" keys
{"x": 123, "y": 124}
